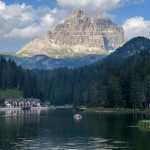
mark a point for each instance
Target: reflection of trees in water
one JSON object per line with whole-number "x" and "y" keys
{"x": 15, "y": 128}
{"x": 22, "y": 116}
{"x": 35, "y": 112}
{"x": 59, "y": 126}
{"x": 140, "y": 116}
{"x": 112, "y": 126}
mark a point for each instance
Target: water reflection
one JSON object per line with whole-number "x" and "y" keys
{"x": 35, "y": 112}
{"x": 46, "y": 130}
{"x": 22, "y": 116}
{"x": 77, "y": 143}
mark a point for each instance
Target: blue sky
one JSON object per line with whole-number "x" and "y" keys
{"x": 34, "y": 3}
{"x": 24, "y": 20}
{"x": 131, "y": 10}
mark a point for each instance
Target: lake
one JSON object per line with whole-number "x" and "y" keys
{"x": 57, "y": 130}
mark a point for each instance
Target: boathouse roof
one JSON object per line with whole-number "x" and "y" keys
{"x": 22, "y": 99}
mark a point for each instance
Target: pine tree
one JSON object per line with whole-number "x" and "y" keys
{"x": 114, "y": 93}
{"x": 137, "y": 95}
{"x": 147, "y": 91}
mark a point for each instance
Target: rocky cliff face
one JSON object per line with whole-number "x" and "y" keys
{"x": 78, "y": 35}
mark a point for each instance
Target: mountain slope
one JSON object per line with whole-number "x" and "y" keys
{"x": 132, "y": 47}
{"x": 79, "y": 35}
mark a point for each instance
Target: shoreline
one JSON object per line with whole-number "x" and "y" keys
{"x": 84, "y": 109}
{"x": 113, "y": 110}
{"x": 19, "y": 109}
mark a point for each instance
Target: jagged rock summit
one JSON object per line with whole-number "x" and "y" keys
{"x": 79, "y": 35}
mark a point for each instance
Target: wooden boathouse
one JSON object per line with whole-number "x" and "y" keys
{"x": 22, "y": 102}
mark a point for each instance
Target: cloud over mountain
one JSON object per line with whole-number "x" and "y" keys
{"x": 20, "y": 23}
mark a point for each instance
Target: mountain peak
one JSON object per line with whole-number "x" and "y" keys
{"x": 139, "y": 40}
{"x": 77, "y": 12}
{"x": 102, "y": 15}
{"x": 132, "y": 47}
{"x": 77, "y": 36}
{"x": 103, "y": 20}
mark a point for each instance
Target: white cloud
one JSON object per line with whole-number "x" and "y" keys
{"x": 95, "y": 5}
{"x": 27, "y": 32}
{"x": 136, "y": 26}
{"x": 17, "y": 20}
{"x": 21, "y": 22}
{"x": 2, "y": 5}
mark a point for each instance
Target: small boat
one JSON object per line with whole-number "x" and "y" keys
{"x": 77, "y": 117}
{"x": 26, "y": 108}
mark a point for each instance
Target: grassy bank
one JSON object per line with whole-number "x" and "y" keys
{"x": 144, "y": 125}
{"x": 9, "y": 94}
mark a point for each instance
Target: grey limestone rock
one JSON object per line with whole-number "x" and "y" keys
{"x": 77, "y": 36}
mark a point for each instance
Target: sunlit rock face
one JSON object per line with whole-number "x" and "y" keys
{"x": 77, "y": 36}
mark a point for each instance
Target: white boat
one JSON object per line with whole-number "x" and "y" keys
{"x": 77, "y": 117}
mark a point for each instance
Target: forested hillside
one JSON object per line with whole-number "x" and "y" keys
{"x": 120, "y": 80}
{"x": 14, "y": 77}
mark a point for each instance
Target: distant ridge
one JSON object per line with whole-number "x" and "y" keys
{"x": 43, "y": 62}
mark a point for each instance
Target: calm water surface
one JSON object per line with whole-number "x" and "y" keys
{"x": 57, "y": 130}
